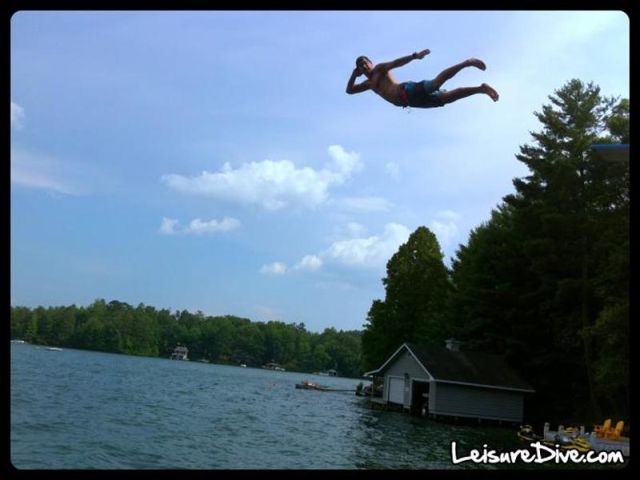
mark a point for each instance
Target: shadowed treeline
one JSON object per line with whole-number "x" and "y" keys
{"x": 143, "y": 330}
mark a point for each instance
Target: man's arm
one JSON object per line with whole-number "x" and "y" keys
{"x": 352, "y": 87}
{"x": 399, "y": 62}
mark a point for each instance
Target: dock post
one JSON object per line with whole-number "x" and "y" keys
{"x": 545, "y": 430}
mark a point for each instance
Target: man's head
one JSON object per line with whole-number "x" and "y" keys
{"x": 364, "y": 64}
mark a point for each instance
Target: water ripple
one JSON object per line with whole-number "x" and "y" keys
{"x": 95, "y": 410}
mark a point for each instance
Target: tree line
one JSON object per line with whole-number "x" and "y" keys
{"x": 118, "y": 327}
{"x": 545, "y": 281}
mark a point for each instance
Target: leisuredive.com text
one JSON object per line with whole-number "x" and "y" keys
{"x": 540, "y": 454}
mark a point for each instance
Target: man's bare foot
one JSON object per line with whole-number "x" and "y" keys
{"x": 476, "y": 62}
{"x": 490, "y": 91}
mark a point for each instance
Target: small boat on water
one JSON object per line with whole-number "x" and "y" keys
{"x": 527, "y": 434}
{"x": 273, "y": 366}
{"x": 54, "y": 349}
{"x": 307, "y": 385}
{"x": 328, "y": 373}
{"x": 17, "y": 341}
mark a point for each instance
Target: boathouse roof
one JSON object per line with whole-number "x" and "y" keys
{"x": 461, "y": 367}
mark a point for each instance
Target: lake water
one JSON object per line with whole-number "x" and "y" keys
{"x": 75, "y": 409}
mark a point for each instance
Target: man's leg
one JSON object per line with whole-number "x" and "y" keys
{"x": 451, "y": 71}
{"x": 458, "y": 93}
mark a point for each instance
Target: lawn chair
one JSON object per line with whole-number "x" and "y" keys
{"x": 615, "y": 433}
{"x": 601, "y": 430}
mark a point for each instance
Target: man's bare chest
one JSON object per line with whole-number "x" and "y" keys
{"x": 382, "y": 83}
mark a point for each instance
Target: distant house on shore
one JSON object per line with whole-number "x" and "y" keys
{"x": 438, "y": 381}
{"x": 180, "y": 353}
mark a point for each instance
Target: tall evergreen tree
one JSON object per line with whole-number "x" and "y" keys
{"x": 559, "y": 249}
{"x": 414, "y": 309}
{"x": 491, "y": 307}
{"x": 557, "y": 207}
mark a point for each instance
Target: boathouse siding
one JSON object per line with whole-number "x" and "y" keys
{"x": 476, "y": 402}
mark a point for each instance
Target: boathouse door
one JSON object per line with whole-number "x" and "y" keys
{"x": 420, "y": 397}
{"x": 396, "y": 390}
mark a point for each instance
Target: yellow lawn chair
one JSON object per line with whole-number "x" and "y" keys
{"x": 614, "y": 433}
{"x": 601, "y": 430}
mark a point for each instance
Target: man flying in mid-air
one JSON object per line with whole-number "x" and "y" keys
{"x": 424, "y": 94}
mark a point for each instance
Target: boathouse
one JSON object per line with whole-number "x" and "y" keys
{"x": 438, "y": 381}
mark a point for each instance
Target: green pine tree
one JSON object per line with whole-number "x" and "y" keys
{"x": 415, "y": 306}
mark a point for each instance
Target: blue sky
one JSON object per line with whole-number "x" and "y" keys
{"x": 212, "y": 161}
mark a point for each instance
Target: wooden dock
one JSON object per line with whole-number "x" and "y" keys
{"x": 597, "y": 444}
{"x": 306, "y": 385}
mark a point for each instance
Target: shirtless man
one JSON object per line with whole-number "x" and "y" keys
{"x": 425, "y": 94}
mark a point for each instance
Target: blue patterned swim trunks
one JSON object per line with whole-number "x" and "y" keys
{"x": 421, "y": 94}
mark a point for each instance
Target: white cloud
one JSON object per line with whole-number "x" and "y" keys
{"x": 373, "y": 251}
{"x": 344, "y": 163}
{"x": 393, "y": 169}
{"x": 17, "y": 116}
{"x": 198, "y": 226}
{"x": 271, "y": 184}
{"x": 445, "y": 226}
{"x": 357, "y": 251}
{"x": 309, "y": 263}
{"x": 275, "y": 268}
{"x": 39, "y": 171}
{"x": 170, "y": 226}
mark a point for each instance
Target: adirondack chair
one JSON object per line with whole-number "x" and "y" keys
{"x": 601, "y": 430}
{"x": 614, "y": 433}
